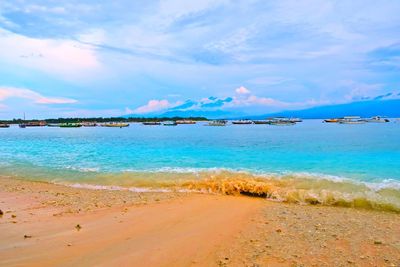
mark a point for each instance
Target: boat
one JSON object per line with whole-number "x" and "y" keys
{"x": 53, "y": 125}
{"x": 70, "y": 125}
{"x": 151, "y": 123}
{"x": 331, "y": 120}
{"x": 22, "y": 125}
{"x": 280, "y": 121}
{"x": 217, "y": 123}
{"x": 35, "y": 124}
{"x": 89, "y": 124}
{"x": 295, "y": 120}
{"x": 4, "y": 125}
{"x": 169, "y": 123}
{"x": 185, "y": 122}
{"x": 261, "y": 122}
{"x": 242, "y": 122}
{"x": 377, "y": 119}
{"x": 116, "y": 124}
{"x": 352, "y": 120}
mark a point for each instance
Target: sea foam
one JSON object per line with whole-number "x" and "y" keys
{"x": 303, "y": 188}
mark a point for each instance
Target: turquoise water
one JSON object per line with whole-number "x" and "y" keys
{"x": 366, "y": 153}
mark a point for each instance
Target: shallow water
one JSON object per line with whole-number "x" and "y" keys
{"x": 351, "y": 160}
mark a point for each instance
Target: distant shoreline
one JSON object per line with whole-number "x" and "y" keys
{"x": 103, "y": 120}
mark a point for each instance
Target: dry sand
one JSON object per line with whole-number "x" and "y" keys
{"x": 39, "y": 227}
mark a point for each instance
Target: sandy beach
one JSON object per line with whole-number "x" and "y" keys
{"x": 53, "y": 225}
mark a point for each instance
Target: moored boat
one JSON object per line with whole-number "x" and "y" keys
{"x": 116, "y": 124}
{"x": 352, "y": 120}
{"x": 295, "y": 120}
{"x": 70, "y": 125}
{"x": 280, "y": 121}
{"x": 89, "y": 124}
{"x": 4, "y": 125}
{"x": 53, "y": 125}
{"x": 217, "y": 123}
{"x": 151, "y": 123}
{"x": 377, "y": 119}
{"x": 242, "y": 122}
{"x": 22, "y": 125}
{"x": 185, "y": 122}
{"x": 331, "y": 120}
{"x": 35, "y": 124}
{"x": 261, "y": 122}
{"x": 169, "y": 123}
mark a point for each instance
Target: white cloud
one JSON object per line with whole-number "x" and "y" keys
{"x": 128, "y": 110}
{"x": 12, "y": 92}
{"x": 89, "y": 113}
{"x": 94, "y": 36}
{"x": 44, "y": 9}
{"x": 65, "y": 58}
{"x": 244, "y": 98}
{"x": 242, "y": 91}
{"x": 235, "y": 42}
{"x": 173, "y": 10}
{"x": 359, "y": 90}
{"x": 268, "y": 80}
{"x": 7, "y": 22}
{"x": 153, "y": 105}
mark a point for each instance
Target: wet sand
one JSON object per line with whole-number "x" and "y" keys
{"x": 53, "y": 225}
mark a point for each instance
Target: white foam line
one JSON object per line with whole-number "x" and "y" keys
{"x": 119, "y": 188}
{"x": 374, "y": 186}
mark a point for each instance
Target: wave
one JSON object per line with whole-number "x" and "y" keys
{"x": 82, "y": 169}
{"x": 302, "y": 188}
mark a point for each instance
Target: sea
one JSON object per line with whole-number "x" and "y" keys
{"x": 311, "y": 162}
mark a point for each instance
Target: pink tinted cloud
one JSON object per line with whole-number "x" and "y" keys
{"x": 13, "y": 92}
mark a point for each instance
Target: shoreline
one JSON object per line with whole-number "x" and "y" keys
{"x": 298, "y": 188}
{"x": 117, "y": 227}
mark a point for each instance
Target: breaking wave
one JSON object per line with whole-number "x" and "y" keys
{"x": 302, "y": 188}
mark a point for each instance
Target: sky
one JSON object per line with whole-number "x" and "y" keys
{"x": 109, "y": 58}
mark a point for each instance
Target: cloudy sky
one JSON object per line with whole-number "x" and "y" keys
{"x": 88, "y": 58}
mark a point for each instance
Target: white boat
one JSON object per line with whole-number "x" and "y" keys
{"x": 217, "y": 123}
{"x": 352, "y": 120}
{"x": 280, "y": 121}
{"x": 377, "y": 119}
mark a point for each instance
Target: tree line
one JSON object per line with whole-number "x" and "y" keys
{"x": 101, "y": 119}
